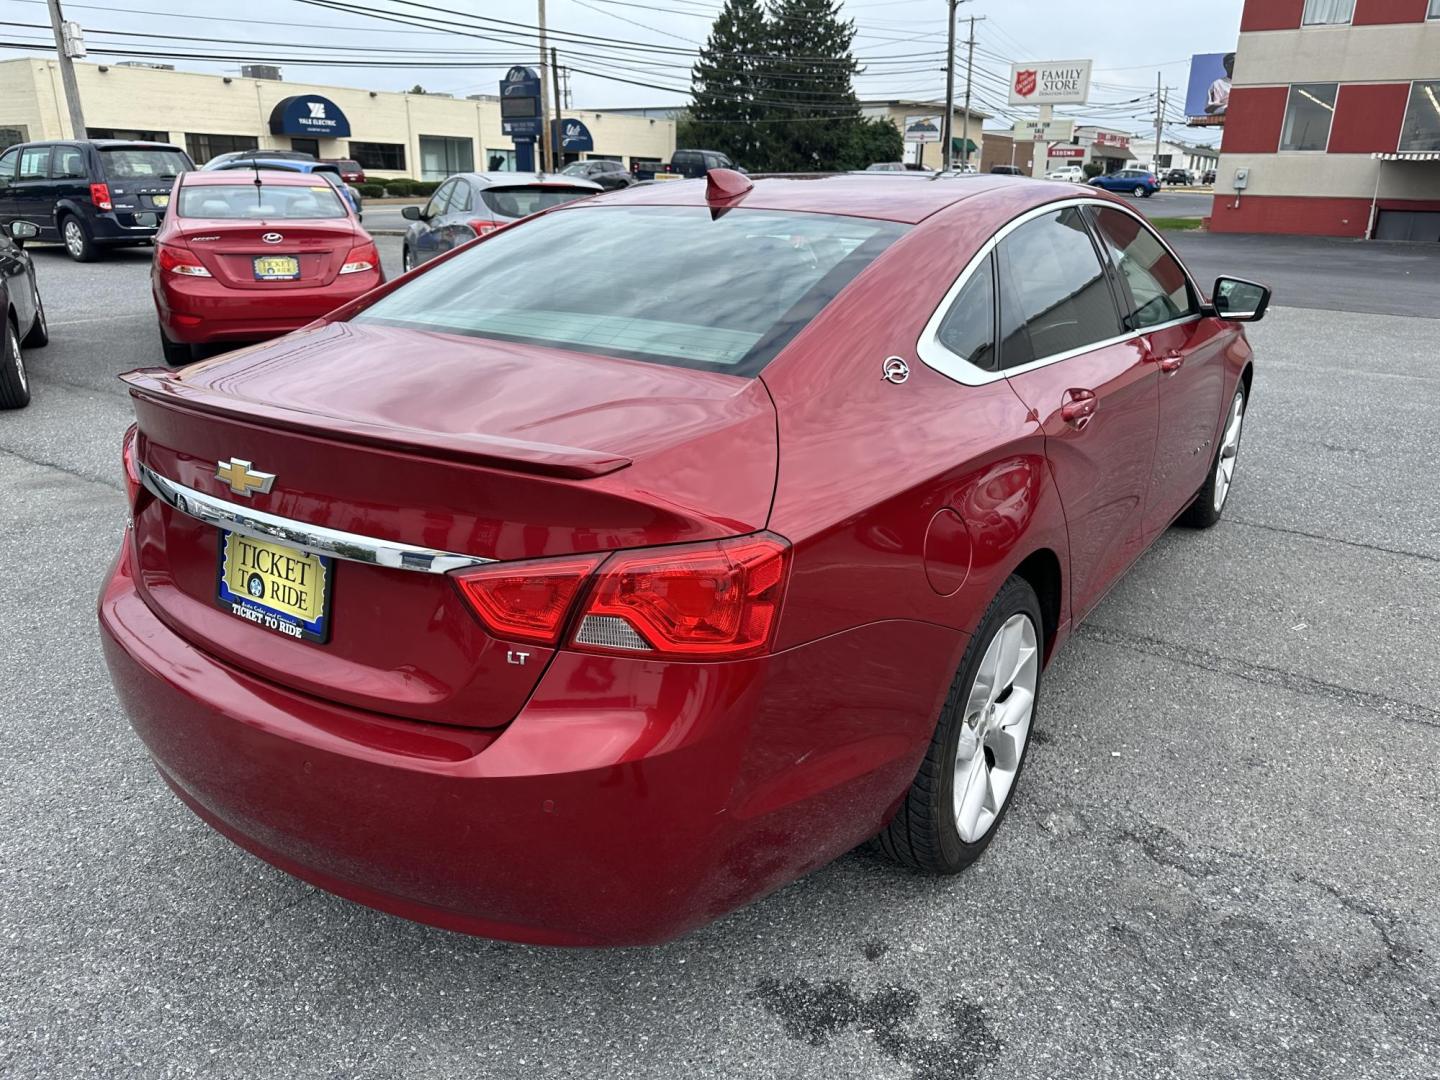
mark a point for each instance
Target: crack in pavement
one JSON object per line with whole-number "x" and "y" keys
{"x": 1333, "y": 539}
{"x": 1405, "y": 711}
{"x": 61, "y": 469}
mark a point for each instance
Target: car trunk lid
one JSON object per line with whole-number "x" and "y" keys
{"x": 235, "y": 252}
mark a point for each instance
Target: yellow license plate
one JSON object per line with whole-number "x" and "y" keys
{"x": 275, "y": 586}
{"x": 277, "y": 268}
{"x": 160, "y": 200}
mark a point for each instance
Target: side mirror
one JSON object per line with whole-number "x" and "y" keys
{"x": 1239, "y": 300}
{"x": 411, "y": 213}
{"x": 24, "y": 230}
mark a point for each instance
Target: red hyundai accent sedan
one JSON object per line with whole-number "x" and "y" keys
{"x": 535, "y": 601}
{"x": 245, "y": 256}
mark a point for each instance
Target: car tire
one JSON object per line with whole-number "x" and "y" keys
{"x": 1209, "y": 504}
{"x": 75, "y": 234}
{"x": 39, "y": 334}
{"x": 177, "y": 354}
{"x": 14, "y": 384}
{"x": 1140, "y": 192}
{"x": 934, "y": 831}
{"x": 407, "y": 260}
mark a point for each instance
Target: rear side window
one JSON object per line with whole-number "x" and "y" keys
{"x": 1054, "y": 297}
{"x": 518, "y": 202}
{"x": 142, "y": 163}
{"x": 244, "y": 202}
{"x": 68, "y": 163}
{"x": 968, "y": 329}
{"x": 34, "y": 162}
{"x": 719, "y": 293}
{"x": 1158, "y": 289}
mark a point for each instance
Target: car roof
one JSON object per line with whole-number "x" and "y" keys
{"x": 138, "y": 144}
{"x": 204, "y": 177}
{"x": 908, "y": 197}
{"x": 526, "y": 179}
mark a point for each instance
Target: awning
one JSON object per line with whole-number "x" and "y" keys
{"x": 1121, "y": 153}
{"x": 1409, "y": 155}
{"x": 957, "y": 146}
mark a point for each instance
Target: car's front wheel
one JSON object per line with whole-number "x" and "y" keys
{"x": 407, "y": 261}
{"x": 1209, "y": 504}
{"x": 78, "y": 241}
{"x": 14, "y": 385}
{"x": 968, "y": 777}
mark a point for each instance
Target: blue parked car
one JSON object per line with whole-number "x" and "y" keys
{"x": 325, "y": 169}
{"x": 1138, "y": 182}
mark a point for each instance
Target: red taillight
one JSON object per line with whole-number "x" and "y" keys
{"x": 132, "y": 467}
{"x": 483, "y": 227}
{"x": 178, "y": 260}
{"x": 362, "y": 257}
{"x": 526, "y": 601}
{"x": 697, "y": 601}
{"x": 100, "y": 196}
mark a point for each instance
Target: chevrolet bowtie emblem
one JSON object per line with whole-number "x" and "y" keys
{"x": 242, "y": 478}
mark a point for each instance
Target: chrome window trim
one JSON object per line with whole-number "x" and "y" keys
{"x": 937, "y": 357}
{"x": 315, "y": 539}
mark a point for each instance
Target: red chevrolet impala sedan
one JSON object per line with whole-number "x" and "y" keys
{"x": 538, "y": 601}
{"x": 249, "y": 255}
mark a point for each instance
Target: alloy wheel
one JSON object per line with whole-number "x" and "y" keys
{"x": 74, "y": 238}
{"x": 1229, "y": 449}
{"x": 406, "y": 264}
{"x": 996, "y": 725}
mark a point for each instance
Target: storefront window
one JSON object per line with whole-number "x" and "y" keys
{"x": 442, "y": 156}
{"x": 378, "y": 155}
{"x": 1326, "y": 12}
{"x": 204, "y": 147}
{"x": 501, "y": 160}
{"x": 1307, "y": 117}
{"x": 1434, "y": 12}
{"x": 129, "y": 134}
{"x": 1422, "y": 118}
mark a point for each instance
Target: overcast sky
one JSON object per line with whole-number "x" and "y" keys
{"x": 651, "y": 41}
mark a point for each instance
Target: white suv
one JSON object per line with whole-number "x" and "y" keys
{"x": 1074, "y": 173}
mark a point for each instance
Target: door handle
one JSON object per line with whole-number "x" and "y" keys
{"x": 1079, "y": 408}
{"x": 1172, "y": 362}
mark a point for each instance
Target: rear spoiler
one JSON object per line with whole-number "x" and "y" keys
{"x": 161, "y": 387}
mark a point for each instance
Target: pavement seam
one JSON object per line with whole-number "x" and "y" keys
{"x": 61, "y": 468}
{"x": 1405, "y": 711}
{"x": 1333, "y": 539}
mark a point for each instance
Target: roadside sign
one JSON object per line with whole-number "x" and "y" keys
{"x": 923, "y": 129}
{"x": 1051, "y": 82}
{"x": 1044, "y": 130}
{"x": 1076, "y": 152}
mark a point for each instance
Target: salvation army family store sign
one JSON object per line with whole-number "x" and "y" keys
{"x": 1053, "y": 82}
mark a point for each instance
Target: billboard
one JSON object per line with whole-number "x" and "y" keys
{"x": 923, "y": 129}
{"x": 1049, "y": 131}
{"x": 1208, "y": 95}
{"x": 1051, "y": 82}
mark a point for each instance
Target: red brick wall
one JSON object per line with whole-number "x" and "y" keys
{"x": 1368, "y": 118}
{"x": 1302, "y": 215}
{"x": 1271, "y": 15}
{"x": 1375, "y": 12}
{"x": 1254, "y": 119}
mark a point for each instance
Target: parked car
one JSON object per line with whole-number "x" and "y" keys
{"x": 1006, "y": 170}
{"x": 327, "y": 171}
{"x": 249, "y": 256}
{"x": 350, "y": 170}
{"x": 516, "y": 602}
{"x": 89, "y": 194}
{"x": 1183, "y": 177}
{"x": 270, "y": 155}
{"x": 22, "y": 314}
{"x": 1208, "y": 177}
{"x": 1073, "y": 174}
{"x": 610, "y": 175}
{"x": 694, "y": 164}
{"x": 472, "y": 204}
{"x": 1138, "y": 182}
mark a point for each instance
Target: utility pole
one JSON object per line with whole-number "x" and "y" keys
{"x": 1159, "y": 115}
{"x": 558, "y": 143}
{"x": 969, "y": 78}
{"x": 947, "y": 150}
{"x": 64, "y": 44}
{"x": 547, "y": 160}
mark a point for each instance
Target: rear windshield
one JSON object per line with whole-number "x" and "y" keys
{"x": 350, "y": 166}
{"x": 668, "y": 284}
{"x": 142, "y": 163}
{"x": 269, "y": 201}
{"x": 517, "y": 202}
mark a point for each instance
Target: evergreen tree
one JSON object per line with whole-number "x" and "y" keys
{"x": 726, "y": 111}
{"x": 814, "y": 115}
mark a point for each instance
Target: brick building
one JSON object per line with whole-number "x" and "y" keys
{"x": 1334, "y": 116}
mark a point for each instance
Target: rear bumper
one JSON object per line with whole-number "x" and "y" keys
{"x": 627, "y": 803}
{"x": 201, "y": 311}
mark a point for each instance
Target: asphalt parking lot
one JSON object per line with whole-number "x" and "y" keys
{"x": 1222, "y": 862}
